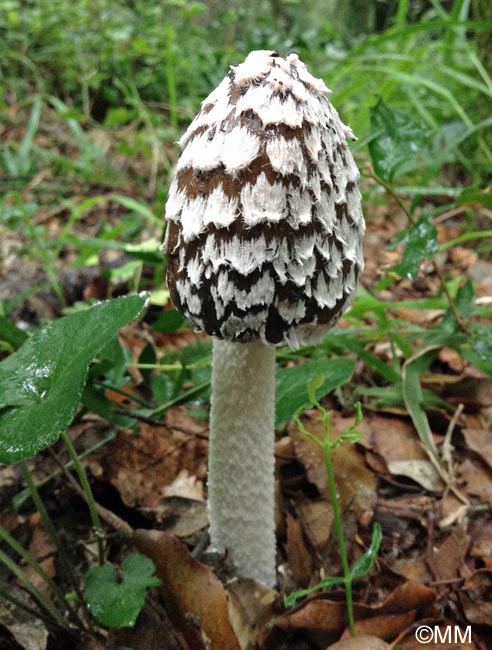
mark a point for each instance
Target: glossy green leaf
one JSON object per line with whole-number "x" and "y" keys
{"x": 292, "y": 384}
{"x": 398, "y": 139}
{"x": 364, "y": 564}
{"x": 41, "y": 383}
{"x": 420, "y": 241}
{"x": 117, "y": 604}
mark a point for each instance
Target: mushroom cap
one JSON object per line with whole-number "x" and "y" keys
{"x": 265, "y": 227}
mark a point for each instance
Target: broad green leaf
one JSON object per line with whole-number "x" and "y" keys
{"x": 420, "y": 241}
{"x": 364, "y": 564}
{"x": 117, "y": 604}
{"x": 398, "y": 139}
{"x": 292, "y": 384}
{"x": 41, "y": 383}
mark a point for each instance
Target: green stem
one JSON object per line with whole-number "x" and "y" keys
{"x": 19, "y": 499}
{"x": 337, "y": 520}
{"x": 96, "y": 523}
{"x": 391, "y": 191}
{"x": 6, "y": 595}
{"x": 43, "y": 603}
{"x": 115, "y": 389}
{"x": 467, "y": 236}
{"x": 32, "y": 562}
{"x": 50, "y": 529}
{"x": 180, "y": 398}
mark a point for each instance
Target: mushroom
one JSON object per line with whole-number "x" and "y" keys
{"x": 264, "y": 245}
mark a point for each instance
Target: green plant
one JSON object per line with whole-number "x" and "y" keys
{"x": 364, "y": 564}
{"x": 40, "y": 388}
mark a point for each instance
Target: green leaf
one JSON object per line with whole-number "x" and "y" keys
{"x": 398, "y": 139}
{"x": 291, "y": 599}
{"x": 41, "y": 383}
{"x": 117, "y": 604}
{"x": 168, "y": 321}
{"x": 465, "y": 299}
{"x": 11, "y": 333}
{"x": 364, "y": 564}
{"x": 413, "y": 396}
{"x": 420, "y": 241}
{"x": 163, "y": 388}
{"x": 480, "y": 351}
{"x": 292, "y": 384}
{"x": 472, "y": 196}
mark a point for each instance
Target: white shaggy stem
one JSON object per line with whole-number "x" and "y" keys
{"x": 241, "y": 457}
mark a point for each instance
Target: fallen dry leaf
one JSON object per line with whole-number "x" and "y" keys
{"x": 481, "y": 541}
{"x": 396, "y": 442}
{"x": 447, "y": 557}
{"x": 479, "y": 441}
{"x": 476, "y": 478}
{"x": 384, "y": 626}
{"x": 321, "y": 619}
{"x": 141, "y": 467}
{"x": 180, "y": 516}
{"x": 360, "y": 642}
{"x": 316, "y": 516}
{"x": 250, "y": 608}
{"x": 476, "y": 597}
{"x": 194, "y": 597}
{"x": 30, "y": 633}
{"x": 299, "y": 558}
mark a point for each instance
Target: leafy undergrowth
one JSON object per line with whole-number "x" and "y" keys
{"x": 84, "y": 175}
{"x": 143, "y": 436}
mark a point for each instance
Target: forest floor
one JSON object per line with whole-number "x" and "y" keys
{"x": 435, "y": 563}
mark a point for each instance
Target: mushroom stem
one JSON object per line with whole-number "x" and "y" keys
{"x": 241, "y": 457}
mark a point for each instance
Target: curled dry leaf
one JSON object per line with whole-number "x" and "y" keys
{"x": 194, "y": 597}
